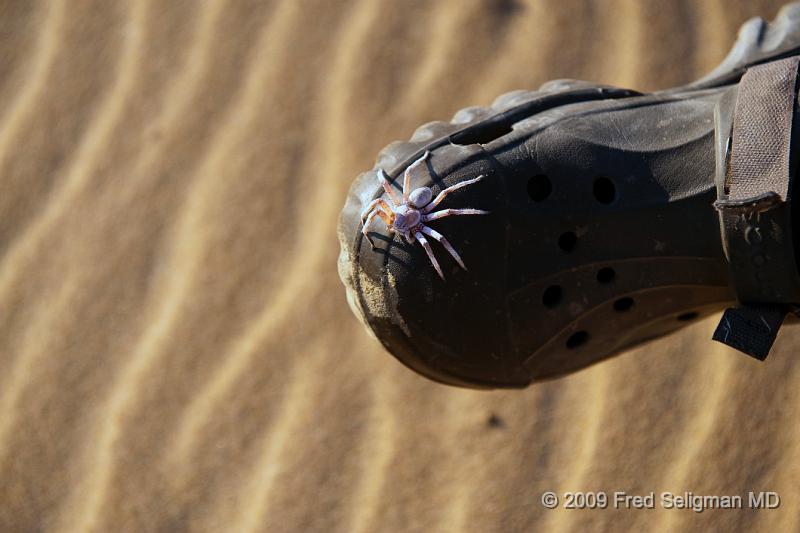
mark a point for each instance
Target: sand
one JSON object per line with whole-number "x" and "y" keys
{"x": 176, "y": 351}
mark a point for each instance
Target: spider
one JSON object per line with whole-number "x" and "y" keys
{"x": 407, "y": 215}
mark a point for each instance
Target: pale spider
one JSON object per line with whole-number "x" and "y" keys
{"x": 407, "y": 216}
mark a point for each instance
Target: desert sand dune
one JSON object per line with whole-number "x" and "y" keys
{"x": 176, "y": 351}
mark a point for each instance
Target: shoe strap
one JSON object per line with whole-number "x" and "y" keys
{"x": 754, "y": 207}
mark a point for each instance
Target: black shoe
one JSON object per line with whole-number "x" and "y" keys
{"x": 611, "y": 220}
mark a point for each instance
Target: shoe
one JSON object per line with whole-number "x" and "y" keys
{"x": 558, "y": 227}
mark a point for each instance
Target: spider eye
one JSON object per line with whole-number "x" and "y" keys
{"x": 420, "y": 197}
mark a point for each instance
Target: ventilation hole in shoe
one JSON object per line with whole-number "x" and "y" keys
{"x": 606, "y": 275}
{"x": 605, "y": 191}
{"x": 691, "y": 315}
{"x": 552, "y": 295}
{"x": 480, "y": 134}
{"x": 578, "y": 338}
{"x": 623, "y": 304}
{"x": 567, "y": 241}
{"x": 539, "y": 187}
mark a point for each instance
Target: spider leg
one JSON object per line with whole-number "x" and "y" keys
{"x": 441, "y": 196}
{"x": 371, "y": 207}
{"x": 447, "y": 212}
{"x": 407, "y": 176}
{"x": 428, "y": 251}
{"x": 439, "y": 237}
{"x": 376, "y": 213}
{"x": 384, "y": 179}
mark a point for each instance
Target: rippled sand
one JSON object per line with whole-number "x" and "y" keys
{"x": 176, "y": 352}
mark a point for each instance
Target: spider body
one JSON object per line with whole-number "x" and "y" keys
{"x": 407, "y": 215}
{"x": 406, "y": 220}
